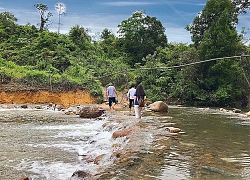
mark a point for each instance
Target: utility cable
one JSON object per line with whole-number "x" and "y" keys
{"x": 172, "y": 67}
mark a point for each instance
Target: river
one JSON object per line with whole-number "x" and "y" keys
{"x": 49, "y": 145}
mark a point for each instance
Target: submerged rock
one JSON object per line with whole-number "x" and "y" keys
{"x": 173, "y": 129}
{"x": 219, "y": 171}
{"x": 82, "y": 175}
{"x": 23, "y": 178}
{"x": 24, "y": 106}
{"x": 237, "y": 111}
{"x": 121, "y": 133}
{"x": 99, "y": 158}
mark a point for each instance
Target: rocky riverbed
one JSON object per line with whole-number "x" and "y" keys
{"x": 125, "y": 137}
{"x": 48, "y": 144}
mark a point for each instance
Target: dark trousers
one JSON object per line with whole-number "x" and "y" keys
{"x": 131, "y": 103}
{"x": 111, "y": 101}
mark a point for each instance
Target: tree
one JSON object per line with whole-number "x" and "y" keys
{"x": 220, "y": 39}
{"x": 44, "y": 15}
{"x": 241, "y": 6}
{"x": 140, "y": 35}
{"x": 7, "y": 18}
{"x": 214, "y": 35}
{"x": 80, "y": 37}
{"x": 210, "y": 16}
{"x": 106, "y": 34}
{"x": 109, "y": 44}
{"x": 163, "y": 80}
{"x": 7, "y": 25}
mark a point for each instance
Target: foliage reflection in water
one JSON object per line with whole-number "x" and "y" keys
{"x": 212, "y": 140}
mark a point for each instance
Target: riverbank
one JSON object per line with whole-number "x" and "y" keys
{"x": 17, "y": 94}
{"x": 65, "y": 99}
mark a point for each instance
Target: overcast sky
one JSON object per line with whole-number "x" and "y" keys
{"x": 97, "y": 15}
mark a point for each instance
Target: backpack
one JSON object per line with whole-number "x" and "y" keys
{"x": 141, "y": 102}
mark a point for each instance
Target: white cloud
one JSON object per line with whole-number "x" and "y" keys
{"x": 128, "y": 3}
{"x": 169, "y": 2}
{"x": 95, "y": 22}
{"x": 177, "y": 34}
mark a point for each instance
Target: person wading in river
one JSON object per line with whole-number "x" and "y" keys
{"x": 139, "y": 94}
{"x": 130, "y": 96}
{"x": 111, "y": 94}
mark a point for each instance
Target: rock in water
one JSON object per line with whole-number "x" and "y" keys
{"x": 159, "y": 106}
{"x": 91, "y": 112}
{"x": 82, "y": 175}
{"x": 173, "y": 129}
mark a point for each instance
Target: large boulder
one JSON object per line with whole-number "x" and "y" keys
{"x": 91, "y": 112}
{"x": 159, "y": 106}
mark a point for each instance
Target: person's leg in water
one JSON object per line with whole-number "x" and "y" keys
{"x": 131, "y": 102}
{"x": 113, "y": 103}
{"x": 110, "y": 102}
{"x": 137, "y": 113}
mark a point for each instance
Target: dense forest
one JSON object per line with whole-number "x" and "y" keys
{"x": 212, "y": 71}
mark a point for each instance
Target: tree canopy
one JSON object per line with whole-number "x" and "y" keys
{"x": 140, "y": 35}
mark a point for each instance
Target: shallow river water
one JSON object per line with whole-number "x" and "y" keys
{"x": 48, "y": 145}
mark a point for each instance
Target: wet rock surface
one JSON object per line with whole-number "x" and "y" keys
{"x": 91, "y": 111}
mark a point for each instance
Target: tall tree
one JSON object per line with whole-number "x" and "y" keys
{"x": 7, "y": 18}
{"x": 106, "y": 34}
{"x": 209, "y": 16}
{"x": 141, "y": 35}
{"x": 7, "y": 25}
{"x": 110, "y": 46}
{"x": 44, "y": 15}
{"x": 214, "y": 35}
{"x": 220, "y": 39}
{"x": 80, "y": 37}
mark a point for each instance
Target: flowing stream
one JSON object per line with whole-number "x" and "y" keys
{"x": 49, "y": 145}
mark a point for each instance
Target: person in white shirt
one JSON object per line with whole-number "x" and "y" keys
{"x": 130, "y": 96}
{"x": 111, "y": 94}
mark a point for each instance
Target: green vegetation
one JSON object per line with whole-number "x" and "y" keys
{"x": 35, "y": 58}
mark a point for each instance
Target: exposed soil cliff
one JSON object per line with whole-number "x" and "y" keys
{"x": 17, "y": 94}
{"x": 43, "y": 96}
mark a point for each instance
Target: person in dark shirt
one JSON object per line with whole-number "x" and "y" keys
{"x": 139, "y": 93}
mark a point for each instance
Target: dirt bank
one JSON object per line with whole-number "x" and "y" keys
{"x": 14, "y": 94}
{"x": 43, "y": 96}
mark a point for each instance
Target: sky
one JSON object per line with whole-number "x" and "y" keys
{"x": 96, "y": 15}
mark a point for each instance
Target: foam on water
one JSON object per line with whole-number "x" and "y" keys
{"x": 50, "y": 171}
{"x": 86, "y": 138}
